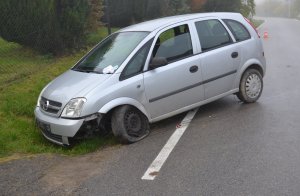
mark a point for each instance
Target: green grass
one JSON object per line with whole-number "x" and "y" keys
{"x": 23, "y": 74}
{"x": 17, "y": 62}
{"x": 94, "y": 37}
{"x": 257, "y": 22}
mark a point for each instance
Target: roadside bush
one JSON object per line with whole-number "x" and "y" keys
{"x": 222, "y": 6}
{"x": 49, "y": 26}
{"x": 125, "y": 12}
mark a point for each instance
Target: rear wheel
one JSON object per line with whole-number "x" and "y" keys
{"x": 129, "y": 125}
{"x": 251, "y": 86}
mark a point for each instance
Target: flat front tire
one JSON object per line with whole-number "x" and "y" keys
{"x": 129, "y": 125}
{"x": 251, "y": 86}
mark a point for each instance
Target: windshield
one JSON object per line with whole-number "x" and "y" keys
{"x": 111, "y": 53}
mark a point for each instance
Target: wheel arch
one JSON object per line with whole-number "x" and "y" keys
{"x": 257, "y": 67}
{"x": 251, "y": 64}
{"x": 108, "y": 107}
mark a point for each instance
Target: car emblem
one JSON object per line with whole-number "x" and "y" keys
{"x": 46, "y": 105}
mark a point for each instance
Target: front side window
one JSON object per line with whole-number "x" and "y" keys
{"x": 212, "y": 34}
{"x": 239, "y": 31}
{"x": 136, "y": 64}
{"x": 174, "y": 44}
{"x": 111, "y": 53}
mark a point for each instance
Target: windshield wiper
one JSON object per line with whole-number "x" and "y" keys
{"x": 80, "y": 70}
{"x": 87, "y": 71}
{"x": 98, "y": 72}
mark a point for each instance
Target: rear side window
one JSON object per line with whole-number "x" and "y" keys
{"x": 212, "y": 34}
{"x": 174, "y": 44}
{"x": 239, "y": 30}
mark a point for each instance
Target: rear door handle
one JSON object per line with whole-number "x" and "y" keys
{"x": 194, "y": 69}
{"x": 234, "y": 55}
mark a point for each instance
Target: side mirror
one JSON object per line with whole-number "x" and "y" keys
{"x": 157, "y": 62}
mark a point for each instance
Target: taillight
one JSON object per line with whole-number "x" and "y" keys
{"x": 252, "y": 25}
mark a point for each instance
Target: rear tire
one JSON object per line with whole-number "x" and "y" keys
{"x": 129, "y": 125}
{"x": 251, "y": 86}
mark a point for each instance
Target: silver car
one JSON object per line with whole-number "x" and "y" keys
{"x": 151, "y": 71}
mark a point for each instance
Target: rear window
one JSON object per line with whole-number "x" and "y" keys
{"x": 212, "y": 34}
{"x": 239, "y": 31}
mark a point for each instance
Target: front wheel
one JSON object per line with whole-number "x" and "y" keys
{"x": 129, "y": 125}
{"x": 251, "y": 86}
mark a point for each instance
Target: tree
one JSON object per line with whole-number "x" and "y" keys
{"x": 248, "y": 8}
{"x": 296, "y": 8}
{"x": 223, "y": 6}
{"x": 126, "y": 12}
{"x": 95, "y": 14}
{"x": 196, "y": 5}
{"x": 50, "y": 26}
{"x": 175, "y": 7}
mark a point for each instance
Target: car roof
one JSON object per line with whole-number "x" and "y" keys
{"x": 152, "y": 25}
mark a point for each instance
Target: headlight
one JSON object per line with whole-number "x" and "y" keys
{"x": 73, "y": 108}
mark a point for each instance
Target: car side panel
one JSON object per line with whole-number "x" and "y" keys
{"x": 173, "y": 86}
{"x": 219, "y": 70}
{"x": 103, "y": 99}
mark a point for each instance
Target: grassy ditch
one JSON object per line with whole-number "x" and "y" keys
{"x": 19, "y": 90}
{"x": 257, "y": 22}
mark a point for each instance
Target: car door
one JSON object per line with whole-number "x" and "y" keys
{"x": 219, "y": 57}
{"x": 177, "y": 84}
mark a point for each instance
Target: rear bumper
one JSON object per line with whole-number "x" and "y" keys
{"x": 57, "y": 130}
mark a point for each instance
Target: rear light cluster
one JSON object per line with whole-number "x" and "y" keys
{"x": 252, "y": 25}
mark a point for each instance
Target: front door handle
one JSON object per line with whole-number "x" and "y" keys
{"x": 194, "y": 69}
{"x": 234, "y": 55}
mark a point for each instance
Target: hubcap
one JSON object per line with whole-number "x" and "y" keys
{"x": 133, "y": 124}
{"x": 253, "y": 86}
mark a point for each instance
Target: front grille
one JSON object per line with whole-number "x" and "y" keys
{"x": 50, "y": 106}
{"x": 45, "y": 128}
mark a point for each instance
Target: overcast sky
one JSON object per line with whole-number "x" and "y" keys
{"x": 258, "y": 1}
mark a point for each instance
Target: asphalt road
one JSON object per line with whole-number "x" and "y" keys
{"x": 229, "y": 148}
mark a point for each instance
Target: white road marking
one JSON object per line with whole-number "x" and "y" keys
{"x": 161, "y": 158}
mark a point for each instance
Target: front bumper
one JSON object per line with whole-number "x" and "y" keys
{"x": 57, "y": 130}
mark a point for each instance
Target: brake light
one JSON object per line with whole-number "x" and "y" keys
{"x": 252, "y": 25}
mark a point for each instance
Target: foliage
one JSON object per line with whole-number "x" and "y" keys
{"x": 196, "y": 5}
{"x": 123, "y": 12}
{"x": 95, "y": 15}
{"x": 248, "y": 9}
{"x": 175, "y": 7}
{"x": 50, "y": 25}
{"x": 257, "y": 22}
{"x": 222, "y": 6}
{"x": 296, "y": 8}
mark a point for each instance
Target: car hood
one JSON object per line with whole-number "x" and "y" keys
{"x": 72, "y": 84}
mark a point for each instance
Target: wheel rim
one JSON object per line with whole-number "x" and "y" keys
{"x": 133, "y": 124}
{"x": 253, "y": 86}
